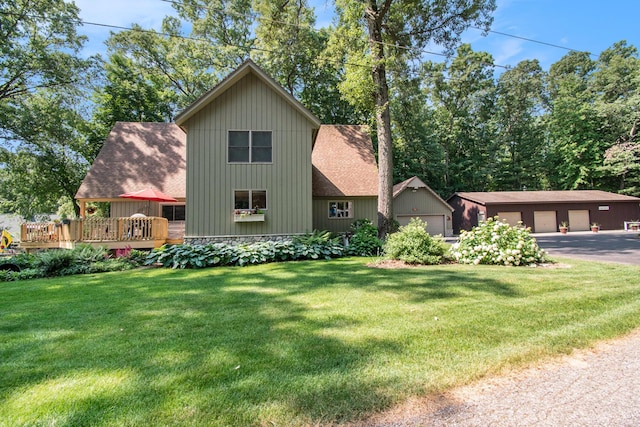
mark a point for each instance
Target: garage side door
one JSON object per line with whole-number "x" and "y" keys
{"x": 435, "y": 223}
{"x": 512, "y": 218}
{"x": 544, "y": 221}
{"x": 579, "y": 220}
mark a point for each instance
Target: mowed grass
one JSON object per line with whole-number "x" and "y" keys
{"x": 286, "y": 344}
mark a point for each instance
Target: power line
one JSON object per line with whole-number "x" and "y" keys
{"x": 534, "y": 41}
{"x": 315, "y": 30}
{"x": 308, "y": 27}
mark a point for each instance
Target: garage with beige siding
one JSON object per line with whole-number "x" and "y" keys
{"x": 413, "y": 198}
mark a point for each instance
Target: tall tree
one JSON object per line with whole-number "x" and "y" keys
{"x": 129, "y": 94}
{"x": 463, "y": 97}
{"x": 289, "y": 48}
{"x": 575, "y": 146}
{"x": 188, "y": 65}
{"x": 416, "y": 148}
{"x": 396, "y": 30}
{"x": 616, "y": 83}
{"x": 520, "y": 107}
{"x": 41, "y": 74}
{"x": 39, "y": 46}
{"x": 50, "y": 155}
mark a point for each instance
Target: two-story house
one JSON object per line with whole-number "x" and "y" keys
{"x": 245, "y": 161}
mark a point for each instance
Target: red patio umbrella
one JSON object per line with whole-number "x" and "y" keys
{"x": 150, "y": 195}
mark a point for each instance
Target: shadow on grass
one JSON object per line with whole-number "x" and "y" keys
{"x": 231, "y": 346}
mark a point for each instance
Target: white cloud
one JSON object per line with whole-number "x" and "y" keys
{"x": 507, "y": 52}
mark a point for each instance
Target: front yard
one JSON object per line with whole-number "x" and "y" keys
{"x": 288, "y": 343}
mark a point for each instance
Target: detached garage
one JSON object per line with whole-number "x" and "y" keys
{"x": 414, "y": 199}
{"x": 543, "y": 211}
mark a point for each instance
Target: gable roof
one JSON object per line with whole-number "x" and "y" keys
{"x": 245, "y": 68}
{"x": 344, "y": 163}
{"x": 524, "y": 197}
{"x": 415, "y": 183}
{"x": 136, "y": 156}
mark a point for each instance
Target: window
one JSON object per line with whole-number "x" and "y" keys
{"x": 342, "y": 209}
{"x": 174, "y": 212}
{"x": 249, "y": 146}
{"x": 250, "y": 199}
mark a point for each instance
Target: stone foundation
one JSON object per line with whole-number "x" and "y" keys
{"x": 236, "y": 239}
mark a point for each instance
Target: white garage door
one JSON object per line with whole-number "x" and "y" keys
{"x": 579, "y": 220}
{"x": 544, "y": 221}
{"x": 435, "y": 223}
{"x": 512, "y": 218}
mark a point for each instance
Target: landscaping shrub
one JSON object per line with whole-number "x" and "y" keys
{"x": 314, "y": 245}
{"x": 413, "y": 245}
{"x": 62, "y": 262}
{"x": 51, "y": 262}
{"x": 496, "y": 242}
{"x": 364, "y": 240}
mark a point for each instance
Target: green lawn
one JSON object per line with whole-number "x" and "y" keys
{"x": 286, "y": 344}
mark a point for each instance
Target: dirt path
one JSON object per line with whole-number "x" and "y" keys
{"x": 597, "y": 387}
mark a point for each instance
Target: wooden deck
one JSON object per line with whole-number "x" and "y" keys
{"x": 113, "y": 233}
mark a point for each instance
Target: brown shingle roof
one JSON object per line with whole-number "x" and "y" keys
{"x": 521, "y": 197}
{"x": 344, "y": 163}
{"x": 136, "y": 156}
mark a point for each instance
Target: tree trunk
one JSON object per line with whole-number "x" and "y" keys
{"x": 383, "y": 120}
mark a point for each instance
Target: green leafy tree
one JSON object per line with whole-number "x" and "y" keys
{"x": 622, "y": 160}
{"x": 50, "y": 154}
{"x": 416, "y": 148}
{"x": 520, "y": 105}
{"x": 175, "y": 68}
{"x": 383, "y": 33}
{"x": 575, "y": 145}
{"x": 290, "y": 49}
{"x": 41, "y": 118}
{"x": 616, "y": 82}
{"x": 463, "y": 98}
{"x": 39, "y": 46}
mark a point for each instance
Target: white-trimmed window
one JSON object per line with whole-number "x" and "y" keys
{"x": 250, "y": 199}
{"x": 341, "y": 209}
{"x": 249, "y": 146}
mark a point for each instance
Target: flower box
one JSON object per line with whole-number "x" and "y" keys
{"x": 248, "y": 217}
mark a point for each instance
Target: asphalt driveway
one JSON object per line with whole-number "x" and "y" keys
{"x": 610, "y": 246}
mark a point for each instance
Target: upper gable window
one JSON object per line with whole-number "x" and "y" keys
{"x": 249, "y": 146}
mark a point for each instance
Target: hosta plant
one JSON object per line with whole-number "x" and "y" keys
{"x": 496, "y": 242}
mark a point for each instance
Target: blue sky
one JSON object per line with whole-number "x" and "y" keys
{"x": 589, "y": 25}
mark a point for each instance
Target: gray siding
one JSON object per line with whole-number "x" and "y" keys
{"x": 420, "y": 202}
{"x": 129, "y": 207}
{"x": 211, "y": 181}
{"x": 363, "y": 208}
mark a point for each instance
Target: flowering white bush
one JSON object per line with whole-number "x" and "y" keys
{"x": 496, "y": 242}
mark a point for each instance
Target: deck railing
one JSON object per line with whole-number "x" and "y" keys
{"x": 112, "y": 232}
